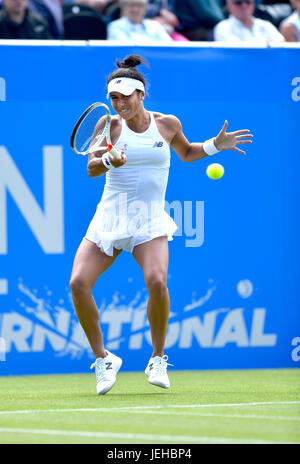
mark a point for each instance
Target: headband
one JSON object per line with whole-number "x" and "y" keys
{"x": 124, "y": 85}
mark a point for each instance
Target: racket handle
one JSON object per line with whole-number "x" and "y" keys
{"x": 113, "y": 151}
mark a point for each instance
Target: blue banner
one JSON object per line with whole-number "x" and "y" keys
{"x": 234, "y": 261}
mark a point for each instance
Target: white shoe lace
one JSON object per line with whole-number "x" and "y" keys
{"x": 99, "y": 370}
{"x": 160, "y": 367}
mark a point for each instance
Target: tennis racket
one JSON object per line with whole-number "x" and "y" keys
{"x": 91, "y": 129}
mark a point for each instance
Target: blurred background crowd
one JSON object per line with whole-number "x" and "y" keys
{"x": 143, "y": 21}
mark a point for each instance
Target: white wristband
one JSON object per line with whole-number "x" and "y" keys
{"x": 106, "y": 161}
{"x": 209, "y": 147}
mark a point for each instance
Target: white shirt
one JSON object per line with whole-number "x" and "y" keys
{"x": 149, "y": 30}
{"x": 233, "y": 30}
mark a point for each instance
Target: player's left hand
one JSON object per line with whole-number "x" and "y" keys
{"x": 230, "y": 140}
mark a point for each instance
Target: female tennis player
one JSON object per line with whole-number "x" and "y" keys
{"x": 131, "y": 216}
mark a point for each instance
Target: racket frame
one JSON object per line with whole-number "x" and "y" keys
{"x": 105, "y": 133}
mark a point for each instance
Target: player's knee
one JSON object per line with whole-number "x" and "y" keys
{"x": 78, "y": 285}
{"x": 156, "y": 282}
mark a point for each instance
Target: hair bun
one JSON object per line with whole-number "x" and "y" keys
{"x": 131, "y": 61}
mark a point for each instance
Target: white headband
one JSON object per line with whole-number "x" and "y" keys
{"x": 124, "y": 85}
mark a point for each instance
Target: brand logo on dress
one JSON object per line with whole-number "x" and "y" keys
{"x": 158, "y": 144}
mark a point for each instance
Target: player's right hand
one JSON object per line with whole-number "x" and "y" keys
{"x": 117, "y": 162}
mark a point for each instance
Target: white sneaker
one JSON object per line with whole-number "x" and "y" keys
{"x": 106, "y": 370}
{"x": 156, "y": 371}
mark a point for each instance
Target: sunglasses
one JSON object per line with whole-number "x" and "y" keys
{"x": 240, "y": 2}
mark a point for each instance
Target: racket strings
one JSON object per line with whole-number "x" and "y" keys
{"x": 86, "y": 138}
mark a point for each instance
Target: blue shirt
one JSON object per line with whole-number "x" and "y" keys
{"x": 148, "y": 30}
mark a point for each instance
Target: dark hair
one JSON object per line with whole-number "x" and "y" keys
{"x": 127, "y": 69}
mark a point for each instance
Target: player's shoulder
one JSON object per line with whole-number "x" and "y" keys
{"x": 115, "y": 120}
{"x": 169, "y": 120}
{"x": 103, "y": 120}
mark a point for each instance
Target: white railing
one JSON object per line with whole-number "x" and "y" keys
{"x": 114, "y": 43}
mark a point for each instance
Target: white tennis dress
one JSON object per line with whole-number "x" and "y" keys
{"x": 131, "y": 210}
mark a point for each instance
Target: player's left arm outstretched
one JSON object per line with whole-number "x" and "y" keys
{"x": 195, "y": 151}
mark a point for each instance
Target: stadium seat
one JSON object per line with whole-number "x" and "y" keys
{"x": 112, "y": 12}
{"x": 83, "y": 23}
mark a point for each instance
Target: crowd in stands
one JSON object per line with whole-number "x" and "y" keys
{"x": 142, "y": 21}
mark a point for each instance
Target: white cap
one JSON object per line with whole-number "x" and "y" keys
{"x": 124, "y": 85}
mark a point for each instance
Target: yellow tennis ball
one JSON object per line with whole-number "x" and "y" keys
{"x": 215, "y": 171}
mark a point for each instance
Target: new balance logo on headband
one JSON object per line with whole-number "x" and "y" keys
{"x": 158, "y": 144}
{"x": 119, "y": 81}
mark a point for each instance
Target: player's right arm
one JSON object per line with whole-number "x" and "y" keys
{"x": 95, "y": 166}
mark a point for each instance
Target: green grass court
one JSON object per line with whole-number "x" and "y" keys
{"x": 213, "y": 407}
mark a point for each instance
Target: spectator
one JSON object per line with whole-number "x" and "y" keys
{"x": 290, "y": 27}
{"x": 198, "y": 17}
{"x": 133, "y": 26}
{"x": 17, "y": 22}
{"x": 242, "y": 26}
{"x": 51, "y": 10}
{"x": 163, "y": 11}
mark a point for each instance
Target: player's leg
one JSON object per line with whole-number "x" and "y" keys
{"x": 89, "y": 264}
{"x": 153, "y": 257}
